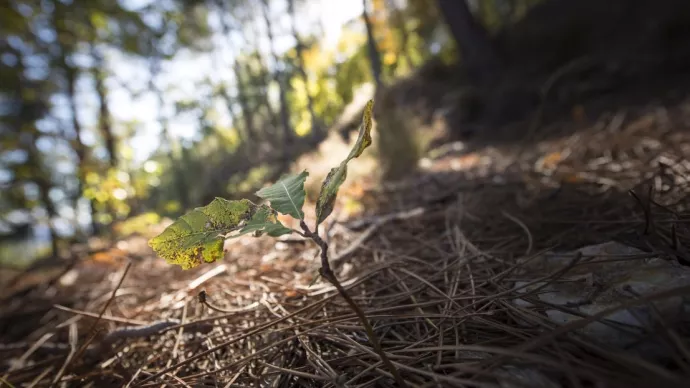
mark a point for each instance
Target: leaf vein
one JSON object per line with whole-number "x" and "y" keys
{"x": 290, "y": 198}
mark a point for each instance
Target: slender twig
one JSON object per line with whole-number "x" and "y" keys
{"x": 92, "y": 332}
{"x": 202, "y": 298}
{"x": 73, "y": 338}
{"x": 327, "y": 273}
{"x": 102, "y": 317}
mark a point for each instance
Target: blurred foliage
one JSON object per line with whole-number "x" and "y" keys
{"x": 70, "y": 157}
{"x": 139, "y": 224}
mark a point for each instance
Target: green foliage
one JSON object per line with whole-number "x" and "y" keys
{"x": 198, "y": 236}
{"x": 264, "y": 221}
{"x": 337, "y": 175}
{"x": 287, "y": 195}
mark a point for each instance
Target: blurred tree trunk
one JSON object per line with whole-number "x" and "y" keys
{"x": 42, "y": 180}
{"x": 374, "y": 55}
{"x": 258, "y": 85}
{"x": 247, "y": 111}
{"x": 66, "y": 41}
{"x": 104, "y": 117}
{"x": 299, "y": 47}
{"x": 278, "y": 75}
{"x": 247, "y": 114}
{"x": 245, "y": 136}
{"x": 477, "y": 53}
{"x": 27, "y": 113}
{"x": 399, "y": 22}
{"x": 261, "y": 81}
{"x": 175, "y": 163}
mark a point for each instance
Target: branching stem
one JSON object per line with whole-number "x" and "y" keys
{"x": 328, "y": 274}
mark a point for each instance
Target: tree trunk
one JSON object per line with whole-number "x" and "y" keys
{"x": 104, "y": 118}
{"x": 374, "y": 55}
{"x": 247, "y": 112}
{"x": 399, "y": 20}
{"x": 260, "y": 83}
{"x": 478, "y": 55}
{"x": 175, "y": 163}
{"x": 79, "y": 147}
{"x": 242, "y": 99}
{"x": 245, "y": 136}
{"x": 65, "y": 43}
{"x": 300, "y": 68}
{"x": 279, "y": 79}
{"x": 34, "y": 159}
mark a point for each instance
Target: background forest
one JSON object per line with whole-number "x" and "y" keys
{"x": 115, "y": 109}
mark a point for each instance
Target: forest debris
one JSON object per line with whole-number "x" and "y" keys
{"x": 382, "y": 219}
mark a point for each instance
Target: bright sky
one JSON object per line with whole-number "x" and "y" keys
{"x": 183, "y": 75}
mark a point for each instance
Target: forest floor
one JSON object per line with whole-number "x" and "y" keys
{"x": 441, "y": 262}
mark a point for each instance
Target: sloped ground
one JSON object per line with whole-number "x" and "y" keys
{"x": 440, "y": 273}
{"x": 451, "y": 265}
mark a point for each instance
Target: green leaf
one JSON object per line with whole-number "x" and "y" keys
{"x": 337, "y": 175}
{"x": 287, "y": 195}
{"x": 198, "y": 236}
{"x": 264, "y": 221}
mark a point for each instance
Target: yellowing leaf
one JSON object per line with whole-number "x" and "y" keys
{"x": 336, "y": 177}
{"x": 198, "y": 236}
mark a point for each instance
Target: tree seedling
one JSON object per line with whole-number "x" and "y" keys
{"x": 198, "y": 236}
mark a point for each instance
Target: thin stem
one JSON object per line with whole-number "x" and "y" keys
{"x": 328, "y": 274}
{"x": 300, "y": 233}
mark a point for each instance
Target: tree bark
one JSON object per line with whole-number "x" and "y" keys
{"x": 374, "y": 55}
{"x": 478, "y": 55}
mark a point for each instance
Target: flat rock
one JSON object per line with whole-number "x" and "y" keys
{"x": 607, "y": 275}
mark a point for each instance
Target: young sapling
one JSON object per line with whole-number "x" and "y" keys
{"x": 198, "y": 236}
